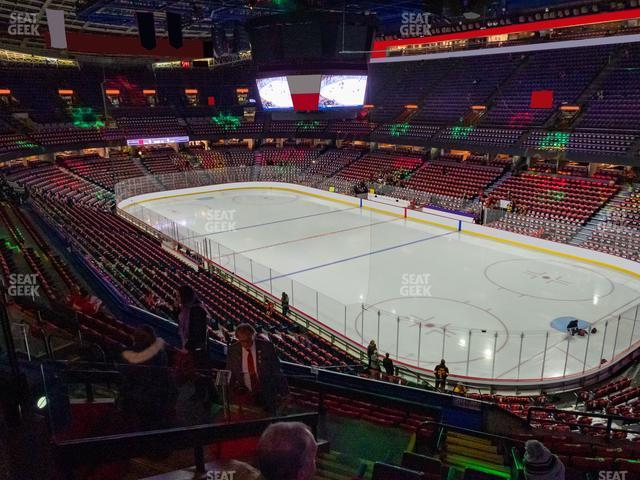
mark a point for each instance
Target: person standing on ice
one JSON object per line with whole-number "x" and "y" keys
{"x": 441, "y": 372}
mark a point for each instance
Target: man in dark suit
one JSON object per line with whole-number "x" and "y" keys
{"x": 255, "y": 369}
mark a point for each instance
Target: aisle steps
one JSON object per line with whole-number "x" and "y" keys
{"x": 336, "y": 466}
{"x": 461, "y": 451}
{"x": 602, "y": 215}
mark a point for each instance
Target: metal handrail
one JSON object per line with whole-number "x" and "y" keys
{"x": 507, "y": 444}
{"x": 469, "y": 431}
{"x": 610, "y": 419}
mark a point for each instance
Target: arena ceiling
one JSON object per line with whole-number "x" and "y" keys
{"x": 199, "y": 16}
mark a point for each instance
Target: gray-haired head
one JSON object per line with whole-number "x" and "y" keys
{"x": 287, "y": 451}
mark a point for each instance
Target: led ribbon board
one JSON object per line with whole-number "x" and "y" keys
{"x": 156, "y": 141}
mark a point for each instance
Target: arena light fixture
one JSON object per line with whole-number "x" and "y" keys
{"x": 85, "y": 117}
{"x": 310, "y": 125}
{"x": 226, "y": 121}
{"x": 25, "y": 144}
{"x": 399, "y": 129}
{"x": 460, "y": 133}
{"x": 557, "y": 141}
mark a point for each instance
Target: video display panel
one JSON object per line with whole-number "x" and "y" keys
{"x": 274, "y": 93}
{"x": 336, "y": 91}
{"x": 342, "y": 91}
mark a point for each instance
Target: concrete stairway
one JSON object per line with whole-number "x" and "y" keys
{"x": 503, "y": 178}
{"x": 602, "y": 215}
{"x": 336, "y": 466}
{"x": 461, "y": 451}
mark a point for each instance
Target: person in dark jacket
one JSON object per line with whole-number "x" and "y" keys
{"x": 255, "y": 370}
{"x": 186, "y": 300}
{"x": 147, "y": 388}
{"x": 387, "y": 363}
{"x": 441, "y": 373}
{"x": 192, "y": 327}
{"x": 285, "y": 303}
{"x": 197, "y": 346}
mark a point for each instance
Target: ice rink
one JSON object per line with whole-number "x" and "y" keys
{"x": 421, "y": 291}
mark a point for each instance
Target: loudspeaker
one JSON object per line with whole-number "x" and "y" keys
{"x": 174, "y": 28}
{"x": 146, "y": 30}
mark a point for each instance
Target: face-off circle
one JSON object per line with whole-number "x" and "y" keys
{"x": 549, "y": 280}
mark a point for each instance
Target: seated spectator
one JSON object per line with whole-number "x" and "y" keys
{"x": 287, "y": 451}
{"x": 460, "y": 389}
{"x": 155, "y": 304}
{"x": 270, "y": 312}
{"x": 81, "y": 301}
{"x": 540, "y": 463}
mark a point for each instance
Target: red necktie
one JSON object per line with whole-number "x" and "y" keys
{"x": 251, "y": 366}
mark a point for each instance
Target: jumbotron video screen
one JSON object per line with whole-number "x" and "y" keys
{"x": 336, "y": 91}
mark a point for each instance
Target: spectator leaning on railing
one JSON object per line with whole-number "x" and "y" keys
{"x": 255, "y": 370}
